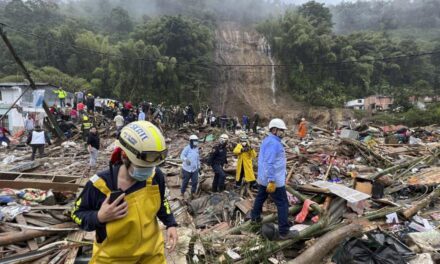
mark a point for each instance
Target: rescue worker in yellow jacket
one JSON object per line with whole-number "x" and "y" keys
{"x": 122, "y": 204}
{"x": 61, "y": 96}
{"x": 86, "y": 125}
{"x": 245, "y": 170}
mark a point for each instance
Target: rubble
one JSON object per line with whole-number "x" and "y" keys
{"x": 352, "y": 186}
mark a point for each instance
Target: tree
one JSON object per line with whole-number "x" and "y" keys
{"x": 319, "y": 16}
{"x": 119, "y": 22}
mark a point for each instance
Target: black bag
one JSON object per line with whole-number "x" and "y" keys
{"x": 357, "y": 251}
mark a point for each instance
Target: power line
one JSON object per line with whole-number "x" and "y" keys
{"x": 107, "y": 54}
{"x": 214, "y": 65}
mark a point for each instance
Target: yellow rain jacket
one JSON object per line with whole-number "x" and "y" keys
{"x": 61, "y": 93}
{"x": 137, "y": 237}
{"x": 245, "y": 161}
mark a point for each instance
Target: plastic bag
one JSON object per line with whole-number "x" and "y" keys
{"x": 357, "y": 251}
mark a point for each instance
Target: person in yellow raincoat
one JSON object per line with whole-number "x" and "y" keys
{"x": 122, "y": 204}
{"x": 245, "y": 170}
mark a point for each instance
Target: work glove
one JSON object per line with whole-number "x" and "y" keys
{"x": 188, "y": 162}
{"x": 271, "y": 187}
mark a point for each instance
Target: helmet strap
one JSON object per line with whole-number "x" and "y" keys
{"x": 126, "y": 161}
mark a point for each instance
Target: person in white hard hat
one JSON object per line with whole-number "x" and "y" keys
{"x": 190, "y": 166}
{"x": 217, "y": 160}
{"x": 272, "y": 178}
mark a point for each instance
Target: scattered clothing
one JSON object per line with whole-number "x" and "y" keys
{"x": 301, "y": 216}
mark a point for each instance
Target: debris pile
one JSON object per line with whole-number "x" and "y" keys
{"x": 360, "y": 193}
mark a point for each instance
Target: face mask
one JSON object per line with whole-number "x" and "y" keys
{"x": 280, "y": 133}
{"x": 141, "y": 174}
{"x": 195, "y": 143}
{"x": 222, "y": 141}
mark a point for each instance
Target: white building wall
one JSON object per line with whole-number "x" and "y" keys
{"x": 15, "y": 118}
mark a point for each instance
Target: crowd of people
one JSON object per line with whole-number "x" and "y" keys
{"x": 122, "y": 203}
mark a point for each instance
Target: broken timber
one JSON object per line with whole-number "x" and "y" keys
{"x": 40, "y": 181}
{"x": 408, "y": 213}
{"x": 327, "y": 243}
{"x": 14, "y": 237}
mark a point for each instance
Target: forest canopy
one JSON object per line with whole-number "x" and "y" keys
{"x": 164, "y": 49}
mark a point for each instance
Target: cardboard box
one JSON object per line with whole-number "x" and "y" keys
{"x": 364, "y": 186}
{"x": 347, "y": 133}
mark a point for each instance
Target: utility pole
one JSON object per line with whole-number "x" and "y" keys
{"x": 26, "y": 74}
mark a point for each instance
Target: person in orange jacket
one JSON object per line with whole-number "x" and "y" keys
{"x": 302, "y": 128}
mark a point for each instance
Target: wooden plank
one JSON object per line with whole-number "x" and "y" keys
{"x": 44, "y": 218}
{"x": 429, "y": 177}
{"x": 8, "y": 175}
{"x": 17, "y": 249}
{"x": 75, "y": 236}
{"x": 15, "y": 237}
{"x": 36, "y": 222}
{"x": 32, "y": 244}
{"x": 244, "y": 206}
{"x": 39, "y": 185}
{"x": 313, "y": 189}
{"x": 51, "y": 207}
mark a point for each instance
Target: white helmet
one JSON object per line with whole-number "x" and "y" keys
{"x": 224, "y": 137}
{"x": 277, "y": 123}
{"x": 143, "y": 144}
{"x": 244, "y": 138}
{"x": 193, "y": 137}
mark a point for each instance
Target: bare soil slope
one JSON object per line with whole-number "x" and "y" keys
{"x": 243, "y": 90}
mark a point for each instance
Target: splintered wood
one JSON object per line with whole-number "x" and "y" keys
{"x": 326, "y": 201}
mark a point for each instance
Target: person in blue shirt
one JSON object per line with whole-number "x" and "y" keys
{"x": 245, "y": 121}
{"x": 191, "y": 166}
{"x": 272, "y": 178}
{"x": 141, "y": 116}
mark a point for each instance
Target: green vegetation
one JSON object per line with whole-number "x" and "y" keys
{"x": 328, "y": 69}
{"x": 156, "y": 59}
{"x": 162, "y": 50}
{"x": 351, "y": 16}
{"x": 413, "y": 117}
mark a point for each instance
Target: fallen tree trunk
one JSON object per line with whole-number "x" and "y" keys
{"x": 14, "y": 237}
{"x": 275, "y": 247}
{"x": 394, "y": 168}
{"x": 405, "y": 165}
{"x": 327, "y": 243}
{"x": 317, "y": 229}
{"x": 365, "y": 148}
{"x": 408, "y": 213}
{"x": 267, "y": 219}
{"x": 273, "y": 217}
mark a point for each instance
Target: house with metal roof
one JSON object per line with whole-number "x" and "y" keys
{"x": 29, "y": 103}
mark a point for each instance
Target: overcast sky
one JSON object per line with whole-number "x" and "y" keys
{"x": 321, "y": 1}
